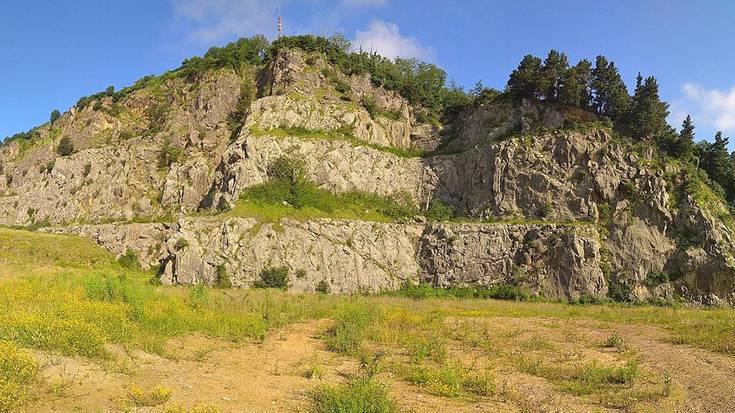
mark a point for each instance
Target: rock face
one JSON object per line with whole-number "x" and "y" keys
{"x": 359, "y": 256}
{"x": 566, "y": 212}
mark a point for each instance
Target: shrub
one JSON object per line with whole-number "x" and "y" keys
{"x": 439, "y": 211}
{"x": 322, "y": 287}
{"x": 223, "y": 278}
{"x": 342, "y": 87}
{"x": 55, "y": 115}
{"x": 350, "y": 327}
{"x": 273, "y": 277}
{"x": 169, "y": 154}
{"x": 370, "y": 106}
{"x": 155, "y": 397}
{"x": 287, "y": 168}
{"x": 129, "y": 260}
{"x": 363, "y": 395}
{"x": 66, "y": 147}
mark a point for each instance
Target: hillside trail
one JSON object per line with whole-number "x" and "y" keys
{"x": 272, "y": 376}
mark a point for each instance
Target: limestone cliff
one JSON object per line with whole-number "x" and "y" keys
{"x": 548, "y": 198}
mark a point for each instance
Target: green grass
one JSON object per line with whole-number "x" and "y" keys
{"x": 344, "y": 134}
{"x": 279, "y": 198}
{"x": 81, "y": 303}
{"x": 362, "y": 395}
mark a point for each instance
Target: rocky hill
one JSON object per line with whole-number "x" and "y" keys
{"x": 540, "y": 196}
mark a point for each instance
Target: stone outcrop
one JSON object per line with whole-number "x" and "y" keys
{"x": 359, "y": 256}
{"x": 577, "y": 211}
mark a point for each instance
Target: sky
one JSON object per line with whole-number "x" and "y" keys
{"x": 53, "y": 52}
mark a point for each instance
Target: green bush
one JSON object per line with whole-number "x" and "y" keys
{"x": 66, "y": 147}
{"x": 55, "y": 115}
{"x": 439, "y": 211}
{"x": 287, "y": 168}
{"x": 498, "y": 292}
{"x": 322, "y": 287}
{"x": 223, "y": 278}
{"x": 273, "y": 277}
{"x": 350, "y": 328}
{"x": 169, "y": 154}
{"x": 129, "y": 260}
{"x": 363, "y": 395}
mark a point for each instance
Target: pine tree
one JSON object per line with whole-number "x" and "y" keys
{"x": 648, "y": 113}
{"x": 525, "y": 79}
{"x": 552, "y": 74}
{"x": 716, "y": 161}
{"x": 684, "y": 146}
{"x": 611, "y": 95}
{"x": 576, "y": 85}
{"x": 55, "y": 115}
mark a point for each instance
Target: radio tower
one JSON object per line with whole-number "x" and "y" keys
{"x": 280, "y": 25}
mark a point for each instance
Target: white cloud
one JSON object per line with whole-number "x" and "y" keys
{"x": 712, "y": 107}
{"x": 385, "y": 39}
{"x": 208, "y": 21}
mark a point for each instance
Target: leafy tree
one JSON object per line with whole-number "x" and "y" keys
{"x": 66, "y": 147}
{"x": 648, "y": 113}
{"x": 55, "y": 115}
{"x": 524, "y": 81}
{"x": 576, "y": 85}
{"x": 611, "y": 95}
{"x": 552, "y": 74}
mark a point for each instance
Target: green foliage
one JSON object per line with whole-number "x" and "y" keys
{"x": 420, "y": 83}
{"x": 288, "y": 185}
{"x": 498, "y": 292}
{"x": 129, "y": 260}
{"x": 237, "y": 55}
{"x": 65, "y": 147}
{"x": 439, "y": 211}
{"x": 351, "y": 324}
{"x": 322, "y": 287}
{"x": 611, "y": 98}
{"x": 169, "y": 154}
{"x": 273, "y": 277}
{"x": 362, "y": 395}
{"x": 223, "y": 278}
{"x": 55, "y": 115}
{"x": 287, "y": 168}
{"x": 648, "y": 113}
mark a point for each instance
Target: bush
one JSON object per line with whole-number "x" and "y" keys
{"x": 169, "y": 155}
{"x": 439, "y": 211}
{"x": 223, "y": 279}
{"x": 322, "y": 287}
{"x": 66, "y": 147}
{"x": 273, "y": 277}
{"x": 370, "y": 106}
{"x": 363, "y": 395}
{"x": 287, "y": 168}
{"x": 350, "y": 328}
{"x": 129, "y": 260}
{"x": 55, "y": 115}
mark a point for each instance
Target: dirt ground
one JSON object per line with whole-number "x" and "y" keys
{"x": 271, "y": 376}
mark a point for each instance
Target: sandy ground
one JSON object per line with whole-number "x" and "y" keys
{"x": 271, "y": 376}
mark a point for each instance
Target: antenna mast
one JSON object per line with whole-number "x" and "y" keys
{"x": 280, "y": 22}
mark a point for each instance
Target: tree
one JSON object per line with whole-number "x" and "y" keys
{"x": 684, "y": 145}
{"x": 66, "y": 147}
{"x": 552, "y": 74}
{"x": 576, "y": 85}
{"x": 611, "y": 95}
{"x": 55, "y": 115}
{"x": 716, "y": 161}
{"x": 525, "y": 79}
{"x": 648, "y": 113}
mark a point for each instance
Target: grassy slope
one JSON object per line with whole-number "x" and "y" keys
{"x": 63, "y": 294}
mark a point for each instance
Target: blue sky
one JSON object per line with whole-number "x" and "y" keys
{"x": 53, "y": 52}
